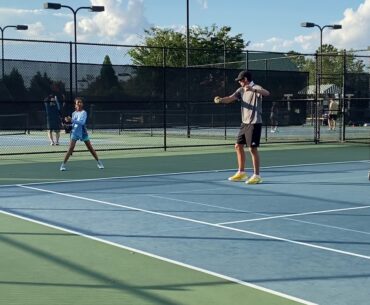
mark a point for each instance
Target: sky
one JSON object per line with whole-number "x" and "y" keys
{"x": 270, "y": 25}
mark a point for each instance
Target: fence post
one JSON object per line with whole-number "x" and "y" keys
{"x": 70, "y": 73}
{"x": 246, "y": 60}
{"x": 224, "y": 94}
{"x": 164, "y": 101}
{"x": 316, "y": 105}
{"x": 187, "y": 106}
{"x": 342, "y": 98}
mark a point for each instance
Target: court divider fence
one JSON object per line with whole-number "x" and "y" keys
{"x": 163, "y": 106}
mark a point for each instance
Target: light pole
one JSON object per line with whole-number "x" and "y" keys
{"x": 187, "y": 34}
{"x": 321, "y": 28}
{"x": 320, "y": 74}
{"x": 19, "y": 27}
{"x": 57, "y": 6}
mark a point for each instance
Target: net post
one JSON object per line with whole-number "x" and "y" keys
{"x": 164, "y": 100}
{"x": 27, "y": 131}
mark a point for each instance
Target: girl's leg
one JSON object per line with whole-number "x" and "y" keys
{"x": 72, "y": 145}
{"x": 91, "y": 150}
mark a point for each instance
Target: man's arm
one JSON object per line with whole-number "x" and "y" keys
{"x": 225, "y": 100}
{"x": 259, "y": 90}
{"x": 228, "y": 99}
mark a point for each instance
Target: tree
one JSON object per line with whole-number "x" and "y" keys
{"x": 354, "y": 65}
{"x": 14, "y": 83}
{"x": 106, "y": 84}
{"x": 332, "y": 64}
{"x": 40, "y": 86}
{"x": 206, "y": 47}
{"x": 108, "y": 76}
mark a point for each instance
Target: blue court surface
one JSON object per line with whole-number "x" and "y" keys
{"x": 304, "y": 232}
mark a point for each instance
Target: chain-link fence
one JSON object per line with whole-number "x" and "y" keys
{"x": 132, "y": 106}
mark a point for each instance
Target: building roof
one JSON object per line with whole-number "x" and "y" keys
{"x": 324, "y": 89}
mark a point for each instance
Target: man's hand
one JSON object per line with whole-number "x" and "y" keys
{"x": 217, "y": 100}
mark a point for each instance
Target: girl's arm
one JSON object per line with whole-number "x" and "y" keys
{"x": 80, "y": 119}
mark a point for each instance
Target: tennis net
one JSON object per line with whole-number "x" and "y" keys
{"x": 17, "y": 123}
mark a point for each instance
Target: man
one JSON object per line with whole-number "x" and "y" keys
{"x": 250, "y": 95}
{"x": 333, "y": 114}
{"x": 52, "y": 108}
{"x": 274, "y": 112}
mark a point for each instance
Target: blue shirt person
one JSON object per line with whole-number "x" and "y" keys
{"x": 79, "y": 133}
{"x": 53, "y": 120}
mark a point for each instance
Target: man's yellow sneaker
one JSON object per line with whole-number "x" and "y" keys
{"x": 254, "y": 180}
{"x": 239, "y": 177}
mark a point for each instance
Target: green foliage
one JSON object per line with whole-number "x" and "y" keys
{"x": 206, "y": 45}
{"x": 106, "y": 84}
{"x": 332, "y": 64}
{"x": 40, "y": 86}
{"x": 108, "y": 76}
{"x": 58, "y": 88}
{"x": 13, "y": 85}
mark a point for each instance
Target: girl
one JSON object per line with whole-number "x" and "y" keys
{"x": 79, "y": 132}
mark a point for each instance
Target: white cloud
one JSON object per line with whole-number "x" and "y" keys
{"x": 355, "y": 31}
{"x": 273, "y": 44}
{"x": 121, "y": 22}
{"x": 12, "y": 16}
{"x": 353, "y": 35}
{"x": 35, "y": 29}
{"x": 203, "y": 3}
{"x": 12, "y": 12}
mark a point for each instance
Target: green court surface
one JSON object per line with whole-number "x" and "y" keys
{"x": 41, "y": 168}
{"x": 41, "y": 265}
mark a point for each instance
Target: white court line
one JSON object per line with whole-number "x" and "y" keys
{"x": 328, "y": 226}
{"x": 202, "y": 222}
{"x": 293, "y": 215}
{"x": 202, "y": 204}
{"x": 228, "y": 278}
{"x": 253, "y": 212}
{"x": 180, "y": 173}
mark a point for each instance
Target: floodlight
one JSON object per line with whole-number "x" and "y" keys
{"x": 97, "y": 8}
{"x": 307, "y": 24}
{"x": 22, "y": 27}
{"x": 52, "y": 6}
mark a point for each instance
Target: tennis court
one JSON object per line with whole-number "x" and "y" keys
{"x": 37, "y": 141}
{"x": 165, "y": 236}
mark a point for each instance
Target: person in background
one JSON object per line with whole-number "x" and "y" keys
{"x": 274, "y": 112}
{"x": 79, "y": 133}
{"x": 333, "y": 114}
{"x": 250, "y": 95}
{"x": 53, "y": 121}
